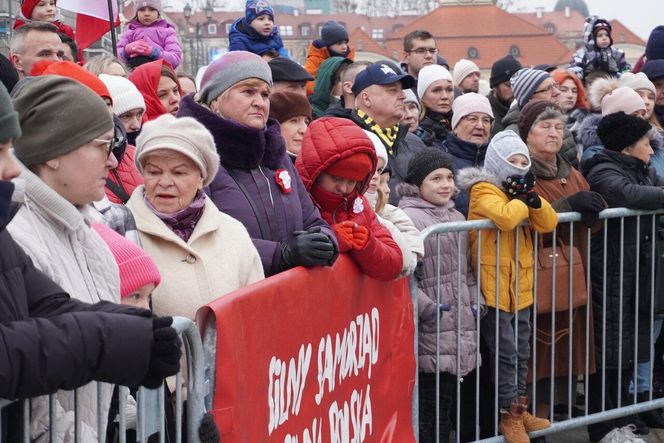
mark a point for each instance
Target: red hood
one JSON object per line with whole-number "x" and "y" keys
{"x": 146, "y": 78}
{"x": 328, "y": 140}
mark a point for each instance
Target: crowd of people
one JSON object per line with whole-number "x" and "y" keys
{"x": 125, "y": 184}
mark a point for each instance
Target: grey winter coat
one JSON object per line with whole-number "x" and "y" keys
{"x": 425, "y": 214}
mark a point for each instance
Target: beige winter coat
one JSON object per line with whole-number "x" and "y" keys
{"x": 58, "y": 238}
{"x": 218, "y": 258}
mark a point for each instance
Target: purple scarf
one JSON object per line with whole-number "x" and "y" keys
{"x": 184, "y": 221}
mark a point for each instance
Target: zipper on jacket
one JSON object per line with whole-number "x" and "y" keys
{"x": 334, "y": 213}
{"x": 269, "y": 188}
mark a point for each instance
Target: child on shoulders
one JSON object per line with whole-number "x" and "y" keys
{"x": 256, "y": 31}
{"x": 333, "y": 42}
{"x": 599, "y": 54}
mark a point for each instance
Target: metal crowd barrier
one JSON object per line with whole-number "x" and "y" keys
{"x": 150, "y": 404}
{"x": 575, "y": 385}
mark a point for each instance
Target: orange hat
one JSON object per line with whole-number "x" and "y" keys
{"x": 73, "y": 71}
{"x": 356, "y": 167}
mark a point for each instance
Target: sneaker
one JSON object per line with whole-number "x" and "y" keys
{"x": 628, "y": 433}
{"x": 511, "y": 424}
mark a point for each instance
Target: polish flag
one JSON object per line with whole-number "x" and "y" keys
{"x": 92, "y": 19}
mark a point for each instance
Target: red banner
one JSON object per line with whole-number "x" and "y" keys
{"x": 322, "y": 355}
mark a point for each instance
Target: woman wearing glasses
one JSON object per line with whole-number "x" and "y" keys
{"x": 64, "y": 169}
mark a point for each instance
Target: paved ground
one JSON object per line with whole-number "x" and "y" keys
{"x": 581, "y": 436}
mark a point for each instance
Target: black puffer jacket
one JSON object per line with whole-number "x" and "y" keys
{"x": 623, "y": 181}
{"x": 49, "y": 341}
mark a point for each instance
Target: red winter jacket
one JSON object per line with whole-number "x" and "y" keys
{"x": 326, "y": 141}
{"x": 129, "y": 177}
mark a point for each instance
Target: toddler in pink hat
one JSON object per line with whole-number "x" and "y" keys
{"x": 139, "y": 275}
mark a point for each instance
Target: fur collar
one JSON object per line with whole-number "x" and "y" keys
{"x": 407, "y": 190}
{"x": 587, "y": 132}
{"x": 467, "y": 177}
{"x": 239, "y": 146}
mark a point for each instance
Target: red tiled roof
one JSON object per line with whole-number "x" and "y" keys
{"x": 618, "y": 28}
{"x": 564, "y": 26}
{"x": 489, "y": 29}
{"x": 364, "y": 43}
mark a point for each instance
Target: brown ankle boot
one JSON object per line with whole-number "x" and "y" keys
{"x": 531, "y": 422}
{"x": 511, "y": 424}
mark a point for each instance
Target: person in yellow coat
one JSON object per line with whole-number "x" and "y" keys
{"x": 502, "y": 191}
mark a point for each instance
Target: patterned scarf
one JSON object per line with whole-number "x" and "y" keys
{"x": 184, "y": 221}
{"x": 387, "y": 135}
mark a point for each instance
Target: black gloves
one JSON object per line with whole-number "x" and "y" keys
{"x": 516, "y": 185}
{"x": 307, "y": 248}
{"x": 165, "y": 353}
{"x": 531, "y": 199}
{"x": 589, "y": 204}
{"x": 207, "y": 431}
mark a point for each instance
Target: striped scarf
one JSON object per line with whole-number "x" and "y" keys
{"x": 387, "y": 135}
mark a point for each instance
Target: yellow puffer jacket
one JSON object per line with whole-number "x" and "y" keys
{"x": 488, "y": 201}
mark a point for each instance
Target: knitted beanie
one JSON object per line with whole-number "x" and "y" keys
{"x": 230, "y": 69}
{"x": 154, "y": 4}
{"x": 286, "y": 70}
{"x": 184, "y": 135}
{"x": 27, "y": 6}
{"x": 618, "y": 131}
{"x": 525, "y": 82}
{"x": 599, "y": 25}
{"x": 381, "y": 152}
{"x": 653, "y": 69}
{"x": 530, "y": 113}
{"x": 57, "y": 115}
{"x": 637, "y": 81}
{"x": 254, "y": 8}
{"x": 462, "y": 69}
{"x": 424, "y": 162}
{"x": 412, "y": 98}
{"x": 655, "y": 45}
{"x": 622, "y": 99}
{"x": 430, "y": 74}
{"x": 332, "y": 32}
{"x": 73, "y": 71}
{"x": 467, "y": 104}
{"x": 136, "y": 268}
{"x": 9, "y": 126}
{"x": 124, "y": 93}
{"x": 286, "y": 105}
{"x": 503, "y": 69}
{"x": 355, "y": 167}
{"x": 502, "y": 146}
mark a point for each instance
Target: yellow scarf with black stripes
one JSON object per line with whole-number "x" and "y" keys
{"x": 387, "y": 135}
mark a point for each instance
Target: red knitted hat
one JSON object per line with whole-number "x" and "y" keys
{"x": 73, "y": 71}
{"x": 27, "y": 6}
{"x": 356, "y": 167}
{"x": 136, "y": 268}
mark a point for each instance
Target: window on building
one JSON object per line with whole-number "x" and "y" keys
{"x": 212, "y": 28}
{"x": 286, "y": 30}
{"x": 228, "y": 27}
{"x": 473, "y": 52}
{"x": 550, "y": 28}
{"x": 377, "y": 34}
{"x": 622, "y": 37}
{"x": 515, "y": 51}
{"x": 305, "y": 30}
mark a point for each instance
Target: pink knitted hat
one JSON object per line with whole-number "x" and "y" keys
{"x": 136, "y": 268}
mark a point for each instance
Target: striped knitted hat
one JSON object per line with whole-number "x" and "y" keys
{"x": 525, "y": 82}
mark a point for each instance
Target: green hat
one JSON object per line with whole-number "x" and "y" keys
{"x": 58, "y": 115}
{"x": 9, "y": 127}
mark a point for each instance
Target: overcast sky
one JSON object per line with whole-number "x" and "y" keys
{"x": 641, "y": 16}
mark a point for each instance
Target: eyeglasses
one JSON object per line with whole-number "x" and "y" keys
{"x": 422, "y": 51}
{"x": 473, "y": 120}
{"x": 107, "y": 145}
{"x": 548, "y": 89}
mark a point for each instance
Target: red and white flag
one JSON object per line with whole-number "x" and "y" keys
{"x": 92, "y": 19}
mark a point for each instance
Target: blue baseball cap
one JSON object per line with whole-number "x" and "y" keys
{"x": 380, "y": 74}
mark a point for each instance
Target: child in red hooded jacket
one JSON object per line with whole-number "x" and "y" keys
{"x": 336, "y": 164}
